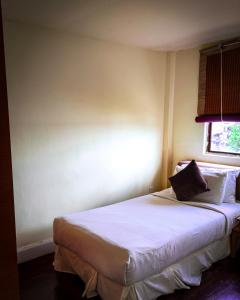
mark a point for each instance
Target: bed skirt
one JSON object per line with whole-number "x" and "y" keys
{"x": 181, "y": 275}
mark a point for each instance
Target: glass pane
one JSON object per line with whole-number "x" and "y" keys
{"x": 225, "y": 137}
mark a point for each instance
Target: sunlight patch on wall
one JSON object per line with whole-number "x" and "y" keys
{"x": 103, "y": 166}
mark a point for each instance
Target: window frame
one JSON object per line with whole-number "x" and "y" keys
{"x": 208, "y": 144}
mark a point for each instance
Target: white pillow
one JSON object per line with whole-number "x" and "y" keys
{"x": 216, "y": 183}
{"x": 230, "y": 188}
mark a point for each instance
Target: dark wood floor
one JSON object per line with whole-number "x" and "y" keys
{"x": 38, "y": 281}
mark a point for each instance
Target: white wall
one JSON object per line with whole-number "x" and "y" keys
{"x": 188, "y": 136}
{"x": 86, "y": 122}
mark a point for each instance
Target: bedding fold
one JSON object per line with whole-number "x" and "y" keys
{"x": 230, "y": 210}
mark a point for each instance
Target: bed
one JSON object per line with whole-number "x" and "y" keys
{"x": 143, "y": 247}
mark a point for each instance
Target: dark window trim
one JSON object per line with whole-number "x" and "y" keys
{"x": 208, "y": 148}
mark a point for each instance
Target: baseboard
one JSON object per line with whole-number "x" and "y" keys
{"x": 35, "y": 250}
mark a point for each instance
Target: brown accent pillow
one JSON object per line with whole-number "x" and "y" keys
{"x": 189, "y": 182}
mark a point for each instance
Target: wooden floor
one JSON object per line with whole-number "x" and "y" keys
{"x": 38, "y": 281}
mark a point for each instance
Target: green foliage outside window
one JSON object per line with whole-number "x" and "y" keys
{"x": 234, "y": 138}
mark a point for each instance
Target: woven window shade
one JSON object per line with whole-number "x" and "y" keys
{"x": 209, "y": 96}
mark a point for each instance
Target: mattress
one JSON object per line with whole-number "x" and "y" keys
{"x": 135, "y": 239}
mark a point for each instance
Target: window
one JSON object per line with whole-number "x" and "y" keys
{"x": 219, "y": 97}
{"x": 224, "y": 137}
{"x": 219, "y": 88}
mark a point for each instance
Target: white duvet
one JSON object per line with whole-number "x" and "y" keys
{"x": 132, "y": 240}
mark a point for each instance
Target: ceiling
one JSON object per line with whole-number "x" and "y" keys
{"x": 156, "y": 24}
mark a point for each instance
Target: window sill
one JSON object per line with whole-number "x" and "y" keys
{"x": 223, "y": 155}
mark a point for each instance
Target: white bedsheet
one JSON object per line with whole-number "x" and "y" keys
{"x": 230, "y": 210}
{"x": 185, "y": 273}
{"x": 135, "y": 239}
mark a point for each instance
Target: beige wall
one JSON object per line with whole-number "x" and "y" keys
{"x": 86, "y": 123}
{"x": 188, "y": 136}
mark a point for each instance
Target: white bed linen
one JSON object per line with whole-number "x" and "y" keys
{"x": 181, "y": 275}
{"x": 186, "y": 272}
{"x": 230, "y": 210}
{"x": 135, "y": 239}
